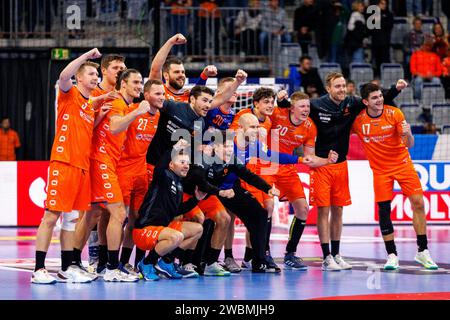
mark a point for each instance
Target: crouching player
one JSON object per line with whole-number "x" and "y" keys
{"x": 156, "y": 229}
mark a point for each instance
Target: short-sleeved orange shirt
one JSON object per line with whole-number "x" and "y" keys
{"x": 178, "y": 97}
{"x": 9, "y": 141}
{"x": 291, "y": 136}
{"x": 139, "y": 135}
{"x": 105, "y": 145}
{"x": 74, "y": 127}
{"x": 381, "y": 138}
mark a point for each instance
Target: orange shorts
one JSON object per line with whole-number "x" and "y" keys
{"x": 147, "y": 238}
{"x": 289, "y": 184}
{"x": 133, "y": 189}
{"x": 210, "y": 207}
{"x": 105, "y": 185}
{"x": 68, "y": 188}
{"x": 259, "y": 195}
{"x": 150, "y": 169}
{"x": 329, "y": 186}
{"x": 383, "y": 184}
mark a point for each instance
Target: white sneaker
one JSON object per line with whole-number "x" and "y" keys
{"x": 42, "y": 276}
{"x": 392, "y": 262}
{"x": 117, "y": 275}
{"x": 424, "y": 259}
{"x": 73, "y": 274}
{"x": 329, "y": 264}
{"x": 342, "y": 263}
{"x": 85, "y": 271}
{"x": 129, "y": 268}
{"x": 246, "y": 265}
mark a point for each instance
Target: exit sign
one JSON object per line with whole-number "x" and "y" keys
{"x": 60, "y": 54}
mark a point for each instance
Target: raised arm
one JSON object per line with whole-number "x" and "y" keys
{"x": 119, "y": 124}
{"x": 65, "y": 77}
{"x": 221, "y": 97}
{"x": 161, "y": 56}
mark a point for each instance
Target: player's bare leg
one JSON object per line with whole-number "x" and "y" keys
{"x": 420, "y": 226}
{"x": 229, "y": 262}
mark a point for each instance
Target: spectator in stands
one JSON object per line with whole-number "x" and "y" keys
{"x": 440, "y": 45}
{"x": 413, "y": 7}
{"x": 425, "y": 67}
{"x": 209, "y": 19}
{"x": 381, "y": 38}
{"x": 426, "y": 118}
{"x": 179, "y": 16}
{"x": 356, "y": 32}
{"x": 445, "y": 78}
{"x": 413, "y": 41}
{"x": 351, "y": 88}
{"x": 310, "y": 79}
{"x": 305, "y": 20}
{"x": 247, "y": 28}
{"x": 445, "y": 7}
{"x": 338, "y": 26}
{"x": 273, "y": 25}
{"x": 9, "y": 141}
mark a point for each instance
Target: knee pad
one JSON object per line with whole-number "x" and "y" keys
{"x": 68, "y": 220}
{"x": 384, "y": 214}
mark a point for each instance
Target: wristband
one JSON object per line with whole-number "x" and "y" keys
{"x": 203, "y": 76}
{"x": 300, "y": 160}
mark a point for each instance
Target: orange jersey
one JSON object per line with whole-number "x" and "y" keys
{"x": 291, "y": 136}
{"x": 9, "y": 141}
{"x": 98, "y": 91}
{"x": 74, "y": 127}
{"x": 106, "y": 145}
{"x": 178, "y": 97}
{"x": 139, "y": 135}
{"x": 381, "y": 138}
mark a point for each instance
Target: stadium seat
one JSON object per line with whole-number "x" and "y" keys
{"x": 446, "y": 129}
{"x": 432, "y": 93}
{"x": 390, "y": 73}
{"x": 411, "y": 112}
{"x": 441, "y": 114}
{"x": 325, "y": 68}
{"x": 361, "y": 72}
{"x": 314, "y": 54}
{"x": 289, "y": 54}
{"x": 427, "y": 24}
{"x": 405, "y": 97}
{"x": 400, "y": 29}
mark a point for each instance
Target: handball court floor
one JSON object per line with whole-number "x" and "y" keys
{"x": 361, "y": 245}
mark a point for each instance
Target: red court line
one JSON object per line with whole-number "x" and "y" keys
{"x": 394, "y": 296}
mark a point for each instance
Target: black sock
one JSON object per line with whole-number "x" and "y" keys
{"x": 188, "y": 254}
{"x": 248, "y": 255}
{"x": 269, "y": 230}
{"x": 179, "y": 254}
{"x": 125, "y": 255}
{"x": 113, "y": 259}
{"x": 228, "y": 253}
{"x": 76, "y": 256}
{"x": 66, "y": 259}
{"x": 335, "y": 247}
{"x": 325, "y": 249}
{"x": 140, "y": 254}
{"x": 102, "y": 255}
{"x": 295, "y": 233}
{"x": 95, "y": 228}
{"x": 168, "y": 258}
{"x": 40, "y": 260}
{"x": 422, "y": 242}
{"x": 390, "y": 247}
{"x": 152, "y": 257}
{"x": 213, "y": 256}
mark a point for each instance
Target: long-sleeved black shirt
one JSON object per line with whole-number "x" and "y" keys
{"x": 164, "y": 200}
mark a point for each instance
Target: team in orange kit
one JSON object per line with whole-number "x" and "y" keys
{"x": 386, "y": 137}
{"x": 134, "y": 178}
{"x": 68, "y": 183}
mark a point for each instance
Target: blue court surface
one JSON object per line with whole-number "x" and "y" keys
{"x": 361, "y": 245}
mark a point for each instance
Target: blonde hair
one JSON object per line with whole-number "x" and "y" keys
{"x": 332, "y": 76}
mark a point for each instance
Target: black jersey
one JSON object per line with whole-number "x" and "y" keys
{"x": 164, "y": 200}
{"x": 173, "y": 116}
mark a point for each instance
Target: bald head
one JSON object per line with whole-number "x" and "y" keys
{"x": 249, "y": 125}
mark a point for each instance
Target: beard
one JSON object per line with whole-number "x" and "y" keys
{"x": 175, "y": 85}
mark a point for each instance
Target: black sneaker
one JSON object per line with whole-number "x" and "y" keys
{"x": 271, "y": 265}
{"x": 259, "y": 268}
